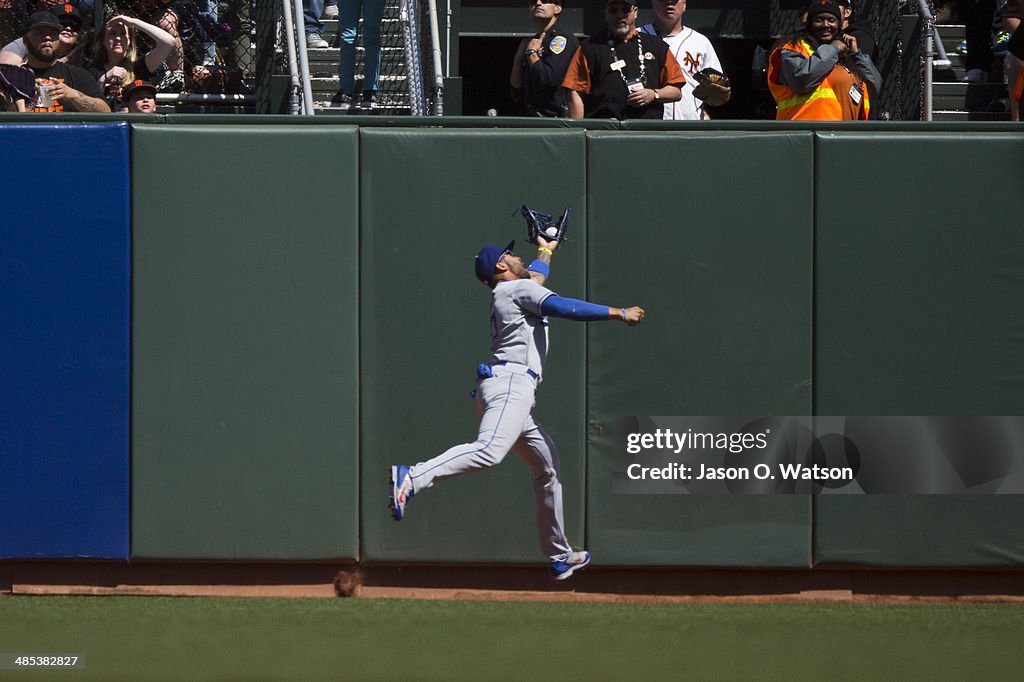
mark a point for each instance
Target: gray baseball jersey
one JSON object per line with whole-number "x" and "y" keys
{"x": 519, "y": 335}
{"x": 519, "y": 332}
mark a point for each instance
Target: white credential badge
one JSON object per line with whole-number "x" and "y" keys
{"x": 557, "y": 45}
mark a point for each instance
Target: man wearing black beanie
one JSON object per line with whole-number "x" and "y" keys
{"x": 820, "y": 74}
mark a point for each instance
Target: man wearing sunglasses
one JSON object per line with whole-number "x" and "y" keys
{"x": 520, "y": 306}
{"x": 540, "y": 62}
{"x": 70, "y": 20}
{"x": 60, "y": 86}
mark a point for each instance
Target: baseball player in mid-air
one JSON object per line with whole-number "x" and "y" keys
{"x": 505, "y": 394}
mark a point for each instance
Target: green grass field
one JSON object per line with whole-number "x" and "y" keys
{"x": 149, "y": 638}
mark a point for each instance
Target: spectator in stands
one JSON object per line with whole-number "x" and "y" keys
{"x": 167, "y": 15}
{"x": 372, "y": 12}
{"x": 204, "y": 28}
{"x": 860, "y": 27}
{"x": 311, "y": 12}
{"x": 62, "y": 87}
{"x": 1013, "y": 14}
{"x": 139, "y": 97}
{"x": 195, "y": 27}
{"x": 820, "y": 74}
{"x": 976, "y": 16}
{"x": 691, "y": 49}
{"x": 117, "y": 60}
{"x": 540, "y": 63}
{"x": 70, "y": 19}
{"x": 622, "y": 73}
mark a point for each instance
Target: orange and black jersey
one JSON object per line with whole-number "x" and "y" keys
{"x": 74, "y": 77}
{"x": 603, "y": 89}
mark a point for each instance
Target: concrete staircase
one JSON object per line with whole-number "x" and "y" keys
{"x": 956, "y": 100}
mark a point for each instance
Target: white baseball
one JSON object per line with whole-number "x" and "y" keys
{"x": 551, "y": 231}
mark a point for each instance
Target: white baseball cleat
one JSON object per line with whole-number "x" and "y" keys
{"x": 401, "y": 490}
{"x": 568, "y": 564}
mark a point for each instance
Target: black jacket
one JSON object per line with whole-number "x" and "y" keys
{"x": 542, "y": 93}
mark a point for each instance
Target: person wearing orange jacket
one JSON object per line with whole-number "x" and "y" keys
{"x": 820, "y": 74}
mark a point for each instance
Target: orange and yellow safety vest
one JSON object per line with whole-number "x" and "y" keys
{"x": 821, "y": 104}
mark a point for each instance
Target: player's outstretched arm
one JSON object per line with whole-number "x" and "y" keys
{"x": 540, "y": 268}
{"x": 584, "y": 311}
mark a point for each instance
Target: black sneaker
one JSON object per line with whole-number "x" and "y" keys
{"x": 342, "y": 101}
{"x": 367, "y": 101}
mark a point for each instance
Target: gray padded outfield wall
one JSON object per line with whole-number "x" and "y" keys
{"x": 429, "y": 200}
{"x": 919, "y": 300}
{"x": 245, "y": 343}
{"x": 727, "y": 289}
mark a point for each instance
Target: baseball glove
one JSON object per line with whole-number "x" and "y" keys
{"x": 544, "y": 225}
{"x": 713, "y": 87}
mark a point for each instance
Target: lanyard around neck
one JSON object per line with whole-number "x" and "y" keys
{"x": 640, "y": 57}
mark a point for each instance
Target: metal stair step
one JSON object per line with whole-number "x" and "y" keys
{"x": 393, "y": 40}
{"x": 330, "y": 55}
{"x": 976, "y": 98}
{"x": 950, "y": 35}
{"x": 951, "y": 115}
{"x": 387, "y": 27}
{"x": 328, "y": 82}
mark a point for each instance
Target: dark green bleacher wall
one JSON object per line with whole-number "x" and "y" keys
{"x": 918, "y": 287}
{"x": 244, "y": 343}
{"x": 728, "y": 296}
{"x": 424, "y": 328}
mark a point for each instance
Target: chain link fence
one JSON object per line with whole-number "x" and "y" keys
{"x": 214, "y": 46}
{"x": 217, "y": 55}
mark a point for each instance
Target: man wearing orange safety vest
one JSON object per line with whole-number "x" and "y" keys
{"x": 820, "y": 74}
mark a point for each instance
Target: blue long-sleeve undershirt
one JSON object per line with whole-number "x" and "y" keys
{"x": 573, "y": 309}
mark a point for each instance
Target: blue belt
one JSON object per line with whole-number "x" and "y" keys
{"x": 528, "y": 370}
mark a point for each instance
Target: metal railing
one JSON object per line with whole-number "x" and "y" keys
{"x": 410, "y": 77}
{"x": 421, "y": 37}
{"x": 933, "y": 56}
{"x": 300, "y": 93}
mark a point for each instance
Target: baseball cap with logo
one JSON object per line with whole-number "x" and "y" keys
{"x": 628, "y": 2}
{"x": 68, "y": 15}
{"x": 824, "y": 7}
{"x": 137, "y": 86}
{"x": 43, "y": 19}
{"x": 488, "y": 258}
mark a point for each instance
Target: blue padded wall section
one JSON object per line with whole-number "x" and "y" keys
{"x": 64, "y": 341}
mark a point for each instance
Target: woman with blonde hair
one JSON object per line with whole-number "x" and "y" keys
{"x": 118, "y": 60}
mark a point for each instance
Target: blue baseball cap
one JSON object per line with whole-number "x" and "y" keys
{"x": 488, "y": 258}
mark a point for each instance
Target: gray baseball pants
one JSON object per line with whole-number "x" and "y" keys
{"x": 503, "y": 403}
